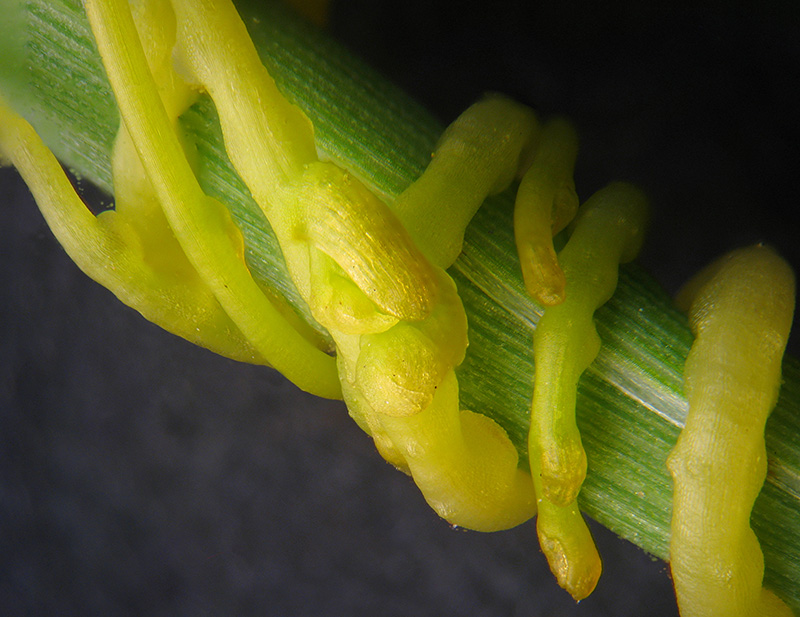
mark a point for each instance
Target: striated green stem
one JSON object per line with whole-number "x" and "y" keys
{"x": 630, "y": 402}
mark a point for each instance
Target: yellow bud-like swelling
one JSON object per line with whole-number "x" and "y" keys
{"x": 463, "y": 462}
{"x": 399, "y": 370}
{"x": 569, "y": 547}
{"x": 740, "y": 309}
{"x": 336, "y": 299}
{"x": 478, "y": 155}
{"x": 546, "y": 202}
{"x": 608, "y": 231}
{"x": 344, "y": 220}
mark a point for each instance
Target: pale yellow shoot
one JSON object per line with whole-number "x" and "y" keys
{"x": 311, "y": 205}
{"x": 404, "y": 392}
{"x": 740, "y": 309}
{"x": 117, "y": 251}
{"x": 609, "y": 231}
{"x": 397, "y": 321}
{"x": 569, "y": 547}
{"x": 201, "y": 224}
{"x": 478, "y": 155}
{"x": 464, "y": 463}
{"x": 130, "y": 250}
{"x": 217, "y": 51}
{"x": 546, "y": 202}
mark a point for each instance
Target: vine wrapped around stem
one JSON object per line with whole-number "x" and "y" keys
{"x": 474, "y": 268}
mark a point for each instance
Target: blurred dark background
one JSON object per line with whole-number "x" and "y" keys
{"x": 140, "y": 475}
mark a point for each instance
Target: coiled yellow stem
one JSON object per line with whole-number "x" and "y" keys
{"x": 740, "y": 308}
{"x": 371, "y": 272}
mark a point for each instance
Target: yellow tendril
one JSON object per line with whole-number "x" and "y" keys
{"x": 546, "y": 202}
{"x": 609, "y": 231}
{"x": 478, "y": 155}
{"x": 129, "y": 251}
{"x": 396, "y": 319}
{"x": 740, "y": 309}
{"x": 374, "y": 277}
{"x": 201, "y": 224}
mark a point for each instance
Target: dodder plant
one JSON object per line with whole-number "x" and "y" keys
{"x": 660, "y": 377}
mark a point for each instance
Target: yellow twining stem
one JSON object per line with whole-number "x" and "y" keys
{"x": 609, "y": 231}
{"x": 271, "y": 145}
{"x": 395, "y": 316}
{"x": 546, "y": 202}
{"x": 478, "y": 155}
{"x": 129, "y": 252}
{"x": 740, "y": 309}
{"x": 464, "y": 463}
{"x": 397, "y": 321}
{"x": 201, "y": 224}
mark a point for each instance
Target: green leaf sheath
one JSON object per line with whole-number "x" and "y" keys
{"x": 630, "y": 403}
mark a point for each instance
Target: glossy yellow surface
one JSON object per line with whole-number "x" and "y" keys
{"x": 546, "y": 202}
{"x": 609, "y": 231}
{"x": 740, "y": 309}
{"x": 373, "y": 274}
{"x": 397, "y": 321}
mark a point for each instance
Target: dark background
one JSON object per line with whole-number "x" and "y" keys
{"x": 140, "y": 475}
